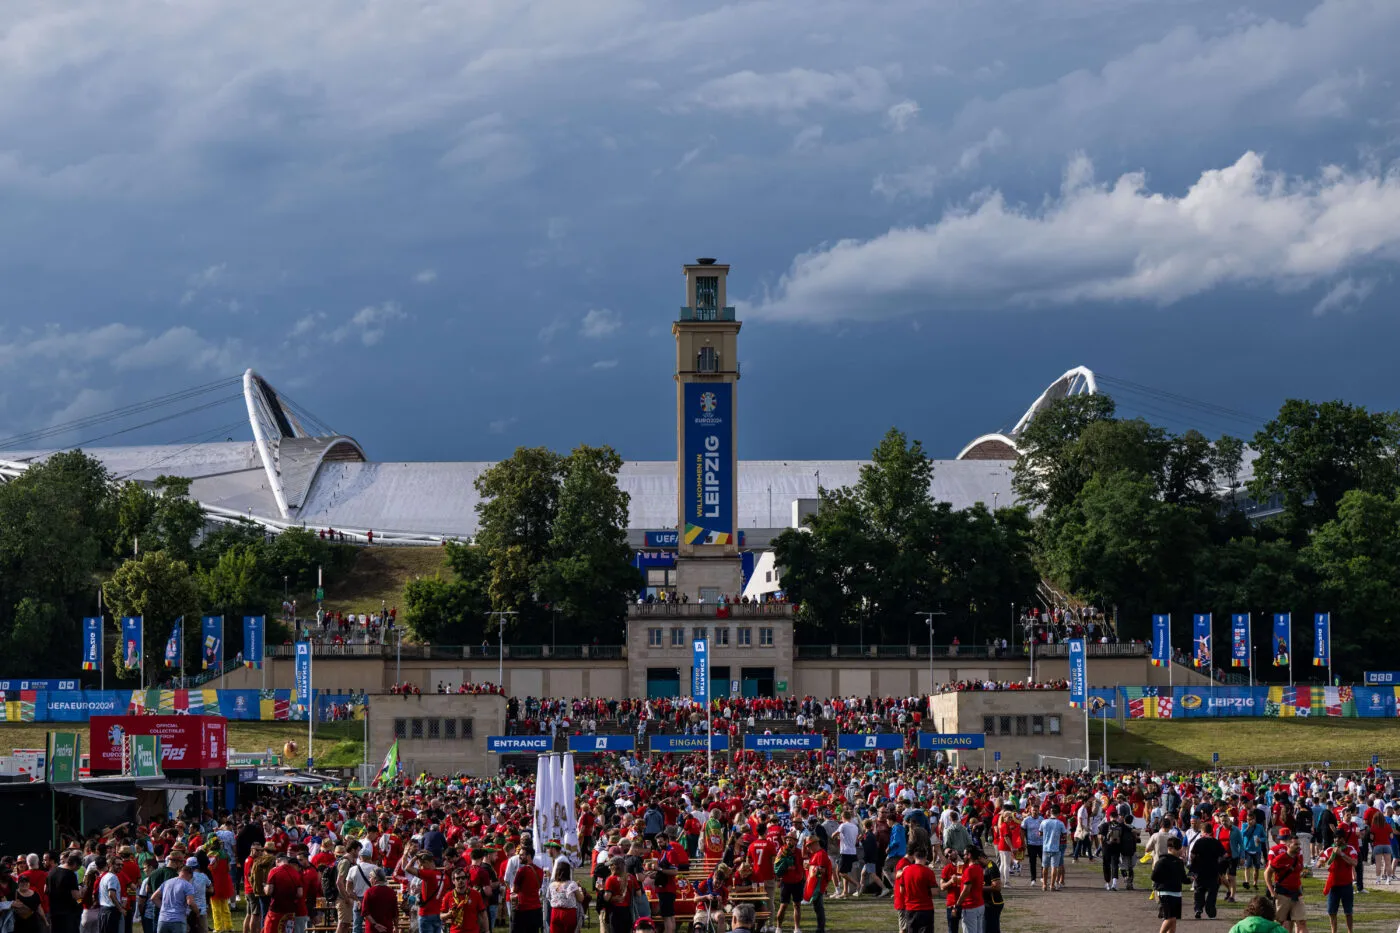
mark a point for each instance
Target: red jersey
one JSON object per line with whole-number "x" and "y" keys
{"x": 819, "y": 874}
{"x": 794, "y": 873}
{"x": 761, "y": 854}
{"x": 899, "y": 867}
{"x": 920, "y": 887}
{"x": 1339, "y": 872}
{"x": 949, "y": 871}
{"x": 971, "y": 894}
{"x": 528, "y": 881}
{"x": 470, "y": 907}
{"x": 675, "y": 857}
{"x": 310, "y": 890}
{"x": 285, "y": 881}
{"x": 429, "y": 892}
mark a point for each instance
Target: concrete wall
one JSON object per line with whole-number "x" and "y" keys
{"x": 374, "y": 675}
{"x": 440, "y": 756}
{"x": 641, "y": 656}
{"x": 966, "y": 711}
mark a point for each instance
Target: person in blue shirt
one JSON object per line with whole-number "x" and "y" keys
{"x": 1052, "y": 833}
{"x": 1031, "y": 827}
{"x": 1253, "y": 841}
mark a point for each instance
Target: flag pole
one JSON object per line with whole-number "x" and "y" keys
{"x": 219, "y": 656}
{"x": 101, "y": 644}
{"x": 1329, "y": 647}
{"x": 143, "y": 652}
{"x": 1289, "y": 616}
{"x": 1171, "y": 681}
{"x": 1249, "y": 646}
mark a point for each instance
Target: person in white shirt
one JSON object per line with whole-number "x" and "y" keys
{"x": 848, "y": 832}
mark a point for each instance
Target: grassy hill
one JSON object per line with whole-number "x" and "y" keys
{"x": 1189, "y": 743}
{"x": 337, "y": 744}
{"x": 379, "y": 574}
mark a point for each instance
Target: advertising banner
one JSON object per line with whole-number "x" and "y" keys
{"x": 1322, "y": 639}
{"x": 688, "y": 743}
{"x": 1103, "y": 702}
{"x": 92, "y": 643}
{"x": 1161, "y": 640}
{"x": 700, "y": 672}
{"x": 133, "y": 636}
{"x": 709, "y": 463}
{"x": 1078, "y": 673}
{"x": 782, "y": 743}
{"x": 662, "y": 539}
{"x": 877, "y": 742}
{"x": 172, "y": 644}
{"x": 602, "y": 743}
{"x": 951, "y": 740}
{"x": 8, "y": 685}
{"x": 211, "y": 643}
{"x": 63, "y": 757}
{"x": 254, "y": 640}
{"x": 1381, "y": 677}
{"x": 145, "y": 757}
{"x": 1283, "y": 639}
{"x": 303, "y": 674}
{"x": 187, "y": 742}
{"x": 1202, "y": 639}
{"x": 519, "y": 744}
{"x": 1241, "y": 645}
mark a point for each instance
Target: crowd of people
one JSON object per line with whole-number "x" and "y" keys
{"x": 663, "y": 845}
{"x": 1056, "y": 626}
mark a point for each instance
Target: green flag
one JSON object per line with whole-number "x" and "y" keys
{"x": 390, "y": 769}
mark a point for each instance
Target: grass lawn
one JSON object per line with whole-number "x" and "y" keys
{"x": 337, "y": 744}
{"x": 1189, "y": 743}
{"x": 379, "y": 575}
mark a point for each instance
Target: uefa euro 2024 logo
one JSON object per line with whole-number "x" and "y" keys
{"x": 708, "y": 402}
{"x": 115, "y": 735}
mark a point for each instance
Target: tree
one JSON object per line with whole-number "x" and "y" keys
{"x": 1313, "y": 453}
{"x": 236, "y": 583}
{"x": 520, "y": 498}
{"x": 1356, "y": 557}
{"x": 160, "y": 589}
{"x": 1043, "y": 475}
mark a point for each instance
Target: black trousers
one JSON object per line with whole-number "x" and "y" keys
{"x": 1110, "y": 864}
{"x": 109, "y": 920}
{"x": 1207, "y": 888}
{"x": 1033, "y": 855}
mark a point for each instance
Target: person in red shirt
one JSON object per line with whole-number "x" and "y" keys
{"x": 1284, "y": 879}
{"x": 920, "y": 888}
{"x": 616, "y": 899}
{"x": 673, "y": 861}
{"x": 284, "y": 892}
{"x": 949, "y": 881}
{"x": 38, "y": 879}
{"x": 310, "y": 888}
{"x": 818, "y": 872}
{"x": 380, "y": 905}
{"x": 788, "y": 867}
{"x": 527, "y": 908}
{"x": 762, "y": 854}
{"x": 971, "y": 903}
{"x": 430, "y": 887}
{"x": 462, "y": 909}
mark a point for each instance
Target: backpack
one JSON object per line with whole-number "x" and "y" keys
{"x": 329, "y": 891}
{"x": 1113, "y": 837}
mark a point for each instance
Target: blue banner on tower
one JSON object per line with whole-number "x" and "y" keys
{"x": 211, "y": 645}
{"x": 709, "y": 463}
{"x": 1241, "y": 647}
{"x": 1161, "y": 640}
{"x": 92, "y": 643}
{"x": 700, "y": 672}
{"x": 1202, "y": 636}
{"x": 172, "y": 644}
{"x": 254, "y": 640}
{"x": 1078, "y": 673}
{"x": 1322, "y": 639}
{"x": 303, "y": 674}
{"x": 1283, "y": 638}
{"x": 133, "y": 638}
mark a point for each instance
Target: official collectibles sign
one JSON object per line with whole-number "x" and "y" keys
{"x": 709, "y": 463}
{"x": 187, "y": 743}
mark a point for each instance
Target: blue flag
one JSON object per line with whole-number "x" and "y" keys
{"x": 1241, "y": 645}
{"x": 172, "y": 644}
{"x": 1203, "y": 625}
{"x": 133, "y": 641}
{"x": 303, "y": 675}
{"x": 92, "y": 643}
{"x": 1161, "y": 640}
{"x": 211, "y": 647}
{"x": 1078, "y": 673}
{"x": 1322, "y": 639}
{"x": 700, "y": 672}
{"x": 253, "y": 640}
{"x": 1283, "y": 639}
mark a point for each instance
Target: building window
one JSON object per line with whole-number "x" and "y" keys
{"x": 434, "y": 729}
{"x": 765, "y": 637}
{"x": 466, "y": 728}
{"x": 1022, "y": 725}
{"x": 1005, "y": 725}
{"x": 989, "y": 725}
{"x": 400, "y": 728}
{"x": 722, "y": 636}
{"x": 677, "y": 637}
{"x": 449, "y": 729}
{"x": 653, "y": 638}
{"x": 1054, "y": 724}
{"x": 745, "y": 637}
{"x": 707, "y": 360}
{"x": 415, "y": 729}
{"x": 1037, "y": 725}
{"x": 767, "y": 576}
{"x": 707, "y": 293}
{"x": 700, "y": 633}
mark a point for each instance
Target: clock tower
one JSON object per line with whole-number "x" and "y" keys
{"x": 707, "y": 461}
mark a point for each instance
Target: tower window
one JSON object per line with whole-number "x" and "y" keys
{"x": 707, "y": 293}
{"x": 707, "y": 360}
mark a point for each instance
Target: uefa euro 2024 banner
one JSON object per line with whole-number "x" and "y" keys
{"x": 709, "y": 463}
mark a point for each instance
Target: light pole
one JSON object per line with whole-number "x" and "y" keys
{"x": 928, "y": 617}
{"x": 501, "y": 659}
{"x": 398, "y": 655}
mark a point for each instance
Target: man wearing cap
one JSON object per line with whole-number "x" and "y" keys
{"x": 174, "y": 900}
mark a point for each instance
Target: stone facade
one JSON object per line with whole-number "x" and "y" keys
{"x": 441, "y": 734}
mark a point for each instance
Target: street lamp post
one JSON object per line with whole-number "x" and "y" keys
{"x": 928, "y": 617}
{"x": 501, "y": 658}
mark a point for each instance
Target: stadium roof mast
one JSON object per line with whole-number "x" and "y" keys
{"x": 1002, "y": 445}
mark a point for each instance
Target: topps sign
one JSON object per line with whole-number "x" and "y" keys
{"x": 187, "y": 743}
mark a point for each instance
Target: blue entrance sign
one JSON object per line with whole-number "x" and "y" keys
{"x": 602, "y": 743}
{"x": 1383, "y": 677}
{"x": 525, "y": 744}
{"x": 881, "y": 741}
{"x": 932, "y": 740}
{"x": 781, "y": 743}
{"x": 708, "y": 497}
{"x": 688, "y": 743}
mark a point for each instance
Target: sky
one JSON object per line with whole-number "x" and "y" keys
{"x": 454, "y": 228}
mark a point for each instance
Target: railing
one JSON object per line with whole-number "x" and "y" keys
{"x": 710, "y": 611}
{"x": 706, "y": 314}
{"x": 409, "y": 652}
{"x": 960, "y": 652}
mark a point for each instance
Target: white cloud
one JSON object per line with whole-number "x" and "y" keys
{"x": 599, "y": 322}
{"x": 551, "y": 330}
{"x": 1106, "y": 242}
{"x": 862, "y": 89}
{"x": 972, "y": 155}
{"x": 1346, "y": 295}
{"x": 902, "y": 114}
{"x": 426, "y": 277}
{"x": 204, "y": 279}
{"x": 499, "y": 425}
{"x": 369, "y": 324}
{"x": 306, "y": 325}
{"x": 919, "y": 182}
{"x": 180, "y": 346}
{"x": 807, "y": 137}
{"x": 556, "y": 228}
{"x": 69, "y": 346}
{"x": 605, "y": 364}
